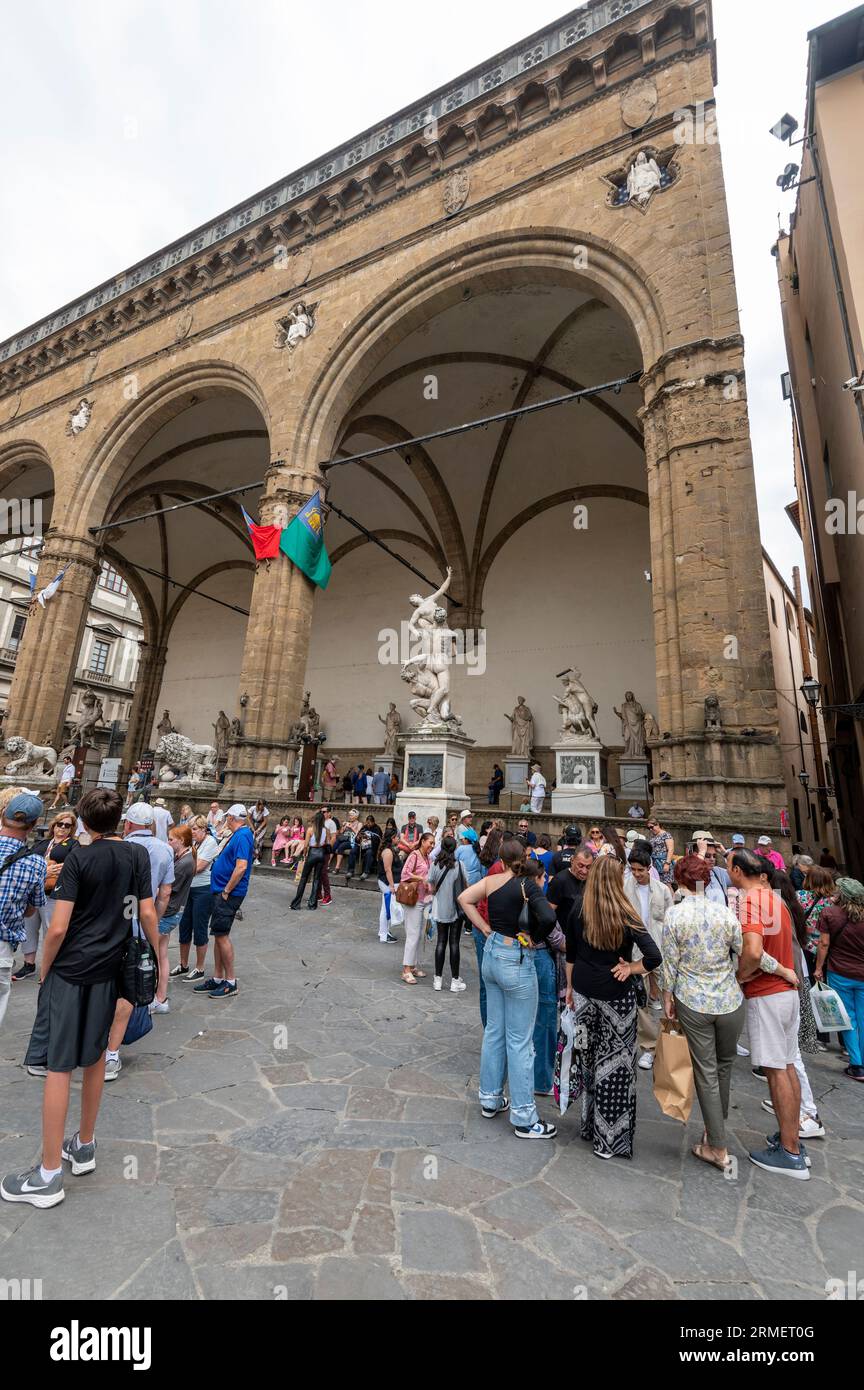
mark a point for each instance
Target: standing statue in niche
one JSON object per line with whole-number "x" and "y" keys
{"x": 221, "y": 731}
{"x": 713, "y": 722}
{"x": 165, "y": 726}
{"x": 632, "y": 717}
{"x": 392, "y": 722}
{"x": 522, "y": 732}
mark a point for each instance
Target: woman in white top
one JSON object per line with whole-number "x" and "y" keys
{"x": 537, "y": 788}
{"x": 195, "y": 922}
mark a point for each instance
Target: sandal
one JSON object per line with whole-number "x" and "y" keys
{"x": 408, "y": 978}
{"x": 700, "y": 1151}
{"x": 418, "y": 973}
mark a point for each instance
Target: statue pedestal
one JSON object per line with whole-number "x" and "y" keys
{"x": 580, "y": 775}
{"x": 516, "y": 773}
{"x": 633, "y": 775}
{"x": 433, "y": 775}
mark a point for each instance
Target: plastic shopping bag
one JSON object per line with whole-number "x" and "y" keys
{"x": 674, "y": 1089}
{"x": 829, "y": 1010}
{"x": 567, "y": 1083}
{"x": 397, "y": 911}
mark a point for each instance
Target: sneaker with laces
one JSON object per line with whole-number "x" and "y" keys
{"x": 438, "y": 983}
{"x": 646, "y": 1061}
{"x": 457, "y": 986}
{"x": 178, "y": 971}
{"x": 160, "y": 1008}
{"x": 776, "y": 1159}
{"x": 113, "y": 1068}
{"x": 24, "y": 972}
{"x": 773, "y": 1141}
{"x": 224, "y": 990}
{"x": 206, "y": 986}
{"x": 37, "y": 1071}
{"x": 387, "y": 940}
{"x": 499, "y": 1110}
{"x": 811, "y": 1127}
{"x": 31, "y": 1187}
{"x": 81, "y": 1156}
{"x": 742, "y": 1051}
{"x": 194, "y": 976}
{"x": 539, "y": 1130}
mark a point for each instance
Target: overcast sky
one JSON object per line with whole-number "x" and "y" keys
{"x": 129, "y": 122}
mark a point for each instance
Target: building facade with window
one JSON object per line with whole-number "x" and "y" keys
{"x": 109, "y": 654}
{"x": 820, "y": 265}
{"x": 811, "y": 807}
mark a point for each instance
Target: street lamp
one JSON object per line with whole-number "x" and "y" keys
{"x": 804, "y": 778}
{"x": 811, "y": 690}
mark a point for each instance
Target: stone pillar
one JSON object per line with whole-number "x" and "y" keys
{"x": 276, "y": 651}
{"x": 710, "y": 617}
{"x": 145, "y": 701}
{"x": 48, "y": 654}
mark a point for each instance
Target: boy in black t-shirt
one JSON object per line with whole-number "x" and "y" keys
{"x": 101, "y": 888}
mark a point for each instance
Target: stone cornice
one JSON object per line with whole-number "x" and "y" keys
{"x": 287, "y": 215}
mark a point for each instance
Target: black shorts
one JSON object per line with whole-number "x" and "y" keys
{"x": 72, "y": 1023}
{"x": 223, "y": 913}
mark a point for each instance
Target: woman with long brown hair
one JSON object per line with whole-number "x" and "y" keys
{"x": 602, "y": 989}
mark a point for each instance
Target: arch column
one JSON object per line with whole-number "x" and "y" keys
{"x": 276, "y": 651}
{"x": 710, "y": 618}
{"x": 151, "y": 672}
{"x": 45, "y": 669}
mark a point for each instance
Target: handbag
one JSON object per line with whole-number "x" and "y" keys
{"x": 829, "y": 1010}
{"x": 139, "y": 1025}
{"x": 138, "y": 972}
{"x": 567, "y": 1081}
{"x": 408, "y": 893}
{"x": 674, "y": 1087}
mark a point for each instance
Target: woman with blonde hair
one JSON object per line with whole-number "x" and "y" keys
{"x": 195, "y": 922}
{"x": 604, "y": 989}
{"x": 180, "y": 841}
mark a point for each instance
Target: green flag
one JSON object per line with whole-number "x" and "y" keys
{"x": 303, "y": 542}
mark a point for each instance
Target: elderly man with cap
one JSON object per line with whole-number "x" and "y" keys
{"x": 465, "y": 828}
{"x": 229, "y": 880}
{"x": 765, "y": 850}
{"x": 22, "y": 882}
{"x": 138, "y": 826}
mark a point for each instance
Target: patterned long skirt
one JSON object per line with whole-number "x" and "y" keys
{"x": 606, "y": 1034}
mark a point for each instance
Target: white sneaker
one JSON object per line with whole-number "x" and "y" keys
{"x": 438, "y": 982}
{"x": 646, "y": 1061}
{"x": 811, "y": 1127}
{"x": 457, "y": 986}
{"x": 656, "y": 1004}
{"x": 157, "y": 1008}
{"x": 113, "y": 1068}
{"x": 742, "y": 1051}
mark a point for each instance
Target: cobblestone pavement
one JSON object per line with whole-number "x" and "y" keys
{"x": 319, "y": 1136}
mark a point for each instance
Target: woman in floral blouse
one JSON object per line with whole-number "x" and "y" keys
{"x": 817, "y": 894}
{"x": 701, "y": 944}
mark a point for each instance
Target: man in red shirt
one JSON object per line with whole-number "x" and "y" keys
{"x": 772, "y": 1010}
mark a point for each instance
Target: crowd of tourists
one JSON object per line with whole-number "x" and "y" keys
{"x": 588, "y": 952}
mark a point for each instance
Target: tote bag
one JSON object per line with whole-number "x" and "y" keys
{"x": 674, "y": 1089}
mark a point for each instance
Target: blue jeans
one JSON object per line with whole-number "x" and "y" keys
{"x": 852, "y": 993}
{"x": 511, "y": 1004}
{"x": 479, "y": 947}
{"x": 546, "y": 1026}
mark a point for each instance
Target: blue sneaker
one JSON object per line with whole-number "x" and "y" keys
{"x": 777, "y": 1160}
{"x": 774, "y": 1143}
{"x": 224, "y": 990}
{"x": 206, "y": 986}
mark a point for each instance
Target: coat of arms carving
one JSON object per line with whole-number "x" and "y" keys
{"x": 456, "y": 191}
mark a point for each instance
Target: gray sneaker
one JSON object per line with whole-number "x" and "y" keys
{"x": 31, "y": 1187}
{"x": 37, "y": 1071}
{"x": 777, "y": 1160}
{"x": 81, "y": 1156}
{"x": 113, "y": 1068}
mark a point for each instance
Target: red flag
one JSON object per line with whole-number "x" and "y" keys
{"x": 265, "y": 539}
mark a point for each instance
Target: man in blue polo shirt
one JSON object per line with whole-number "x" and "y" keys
{"x": 229, "y": 880}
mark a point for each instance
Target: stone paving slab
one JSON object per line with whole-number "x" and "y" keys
{"x": 319, "y": 1138}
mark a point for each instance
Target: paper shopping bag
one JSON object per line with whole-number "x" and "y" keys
{"x": 673, "y": 1072}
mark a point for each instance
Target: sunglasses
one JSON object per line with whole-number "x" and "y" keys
{"x": 65, "y": 825}
{"x": 596, "y": 834}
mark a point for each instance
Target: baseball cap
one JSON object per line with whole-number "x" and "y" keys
{"x": 140, "y": 813}
{"x": 764, "y": 840}
{"x": 738, "y": 840}
{"x": 572, "y": 833}
{"x": 25, "y": 808}
{"x": 237, "y": 811}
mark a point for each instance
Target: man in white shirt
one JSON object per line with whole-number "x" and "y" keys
{"x": 652, "y": 901}
{"x": 162, "y": 820}
{"x": 537, "y": 789}
{"x": 67, "y": 777}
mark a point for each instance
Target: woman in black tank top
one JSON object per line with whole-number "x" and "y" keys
{"x": 511, "y": 988}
